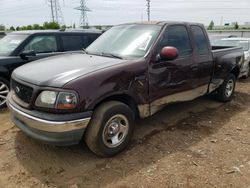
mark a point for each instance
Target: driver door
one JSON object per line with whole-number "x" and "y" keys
{"x": 172, "y": 80}
{"x": 43, "y": 46}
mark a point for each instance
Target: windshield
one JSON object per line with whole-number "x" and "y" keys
{"x": 241, "y": 43}
{"x": 9, "y": 43}
{"x": 125, "y": 41}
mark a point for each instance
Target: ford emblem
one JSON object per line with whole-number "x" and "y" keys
{"x": 17, "y": 89}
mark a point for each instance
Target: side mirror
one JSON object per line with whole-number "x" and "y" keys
{"x": 26, "y": 54}
{"x": 168, "y": 53}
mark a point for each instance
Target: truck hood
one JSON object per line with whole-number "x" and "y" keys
{"x": 56, "y": 71}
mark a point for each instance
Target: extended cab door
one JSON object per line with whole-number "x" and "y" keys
{"x": 203, "y": 57}
{"x": 175, "y": 80}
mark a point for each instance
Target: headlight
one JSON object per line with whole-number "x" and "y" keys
{"x": 57, "y": 100}
{"x": 66, "y": 100}
{"x": 46, "y": 99}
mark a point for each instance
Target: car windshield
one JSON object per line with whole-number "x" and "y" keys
{"x": 9, "y": 43}
{"x": 242, "y": 43}
{"x": 125, "y": 41}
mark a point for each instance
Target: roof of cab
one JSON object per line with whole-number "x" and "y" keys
{"x": 162, "y": 23}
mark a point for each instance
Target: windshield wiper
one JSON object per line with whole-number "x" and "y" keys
{"x": 83, "y": 49}
{"x": 111, "y": 55}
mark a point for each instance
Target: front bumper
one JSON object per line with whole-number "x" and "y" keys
{"x": 55, "y": 132}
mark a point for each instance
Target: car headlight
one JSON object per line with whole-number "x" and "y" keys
{"x": 56, "y": 100}
{"x": 66, "y": 100}
{"x": 46, "y": 99}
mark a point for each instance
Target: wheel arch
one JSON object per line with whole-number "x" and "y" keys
{"x": 235, "y": 71}
{"x": 124, "y": 98}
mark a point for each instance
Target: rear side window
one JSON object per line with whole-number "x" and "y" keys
{"x": 200, "y": 40}
{"x": 177, "y": 36}
{"x": 74, "y": 43}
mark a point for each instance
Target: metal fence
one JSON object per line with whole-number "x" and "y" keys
{"x": 238, "y": 33}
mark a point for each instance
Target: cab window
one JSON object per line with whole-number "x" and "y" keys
{"x": 177, "y": 36}
{"x": 200, "y": 40}
{"x": 42, "y": 44}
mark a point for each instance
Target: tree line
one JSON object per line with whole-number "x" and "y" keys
{"x": 45, "y": 25}
{"x": 227, "y": 26}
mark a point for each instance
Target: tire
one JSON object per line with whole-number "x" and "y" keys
{"x": 226, "y": 90}
{"x": 4, "y": 90}
{"x": 110, "y": 129}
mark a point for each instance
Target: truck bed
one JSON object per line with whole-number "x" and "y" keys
{"x": 225, "y": 53}
{"x": 222, "y": 55}
{"x": 229, "y": 51}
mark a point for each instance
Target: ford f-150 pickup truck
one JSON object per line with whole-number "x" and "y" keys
{"x": 133, "y": 70}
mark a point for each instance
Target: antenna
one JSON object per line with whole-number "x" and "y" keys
{"x": 84, "y": 9}
{"x": 56, "y": 12}
{"x": 148, "y": 9}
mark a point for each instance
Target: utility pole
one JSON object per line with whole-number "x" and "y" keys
{"x": 56, "y": 12}
{"x": 52, "y": 11}
{"x": 56, "y": 8}
{"x": 84, "y": 9}
{"x": 148, "y": 9}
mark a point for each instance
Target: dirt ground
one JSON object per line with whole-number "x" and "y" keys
{"x": 202, "y": 143}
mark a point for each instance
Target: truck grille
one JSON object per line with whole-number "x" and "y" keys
{"x": 23, "y": 92}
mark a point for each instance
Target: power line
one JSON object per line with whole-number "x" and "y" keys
{"x": 56, "y": 12}
{"x": 52, "y": 11}
{"x": 84, "y": 9}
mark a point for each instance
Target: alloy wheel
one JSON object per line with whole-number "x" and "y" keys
{"x": 4, "y": 90}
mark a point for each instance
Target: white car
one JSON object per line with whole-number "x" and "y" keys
{"x": 244, "y": 43}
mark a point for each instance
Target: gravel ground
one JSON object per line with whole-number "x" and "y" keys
{"x": 202, "y": 143}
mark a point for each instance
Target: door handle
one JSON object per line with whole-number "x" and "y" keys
{"x": 194, "y": 67}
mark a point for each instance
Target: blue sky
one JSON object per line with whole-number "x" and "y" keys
{"x": 105, "y": 12}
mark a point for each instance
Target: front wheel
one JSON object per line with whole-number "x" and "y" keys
{"x": 110, "y": 129}
{"x": 226, "y": 90}
{"x": 4, "y": 90}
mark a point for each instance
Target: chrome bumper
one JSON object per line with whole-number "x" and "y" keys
{"x": 48, "y": 126}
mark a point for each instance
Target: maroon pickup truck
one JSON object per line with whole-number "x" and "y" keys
{"x": 133, "y": 70}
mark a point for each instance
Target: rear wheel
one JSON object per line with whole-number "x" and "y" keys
{"x": 4, "y": 90}
{"x": 226, "y": 90}
{"x": 110, "y": 129}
